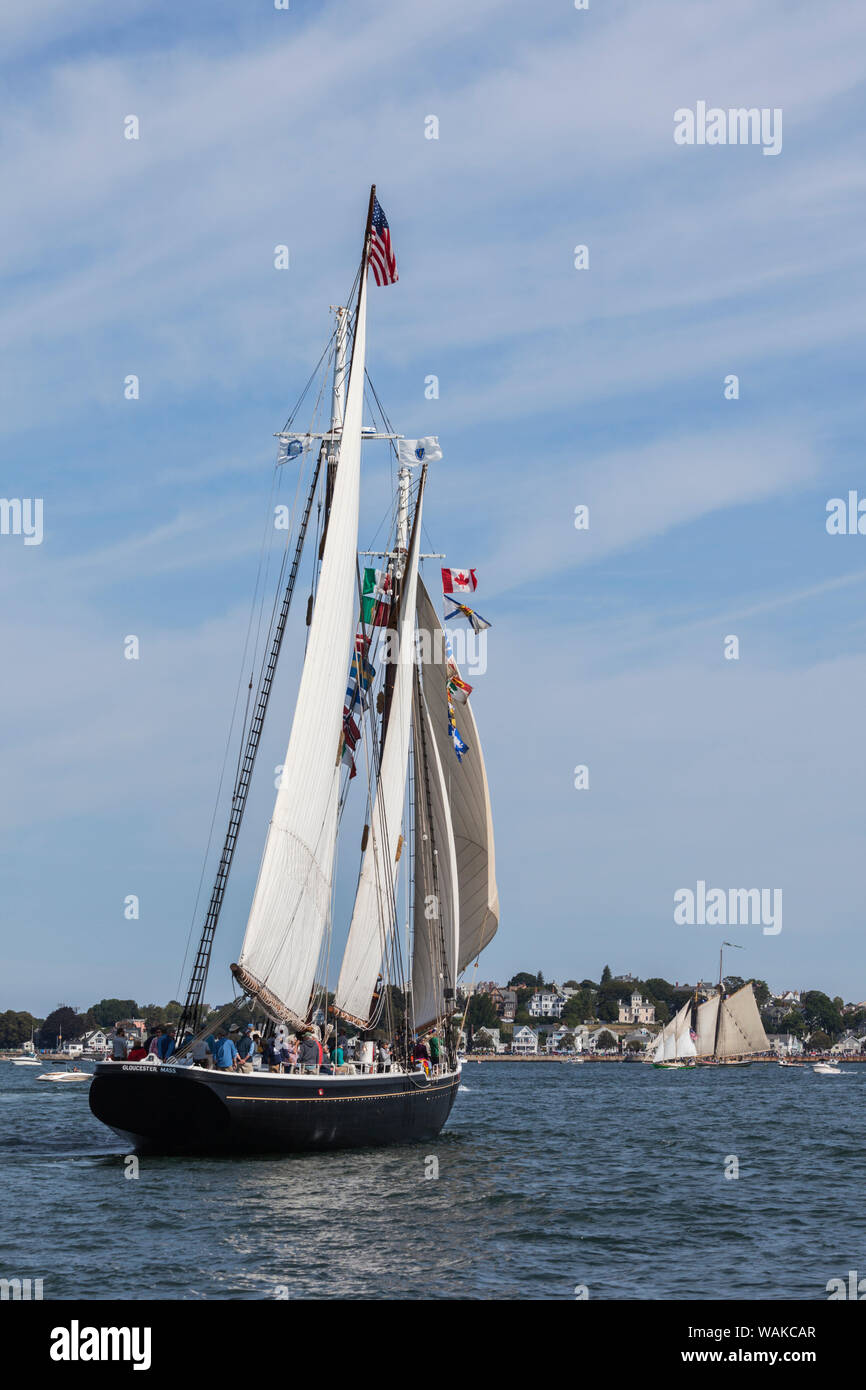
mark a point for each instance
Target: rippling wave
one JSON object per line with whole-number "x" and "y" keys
{"x": 547, "y": 1177}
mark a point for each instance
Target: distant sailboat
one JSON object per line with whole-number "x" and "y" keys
{"x": 428, "y": 818}
{"x": 721, "y": 1031}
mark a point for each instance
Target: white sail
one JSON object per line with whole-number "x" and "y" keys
{"x": 291, "y": 905}
{"x": 373, "y": 913}
{"x": 708, "y": 1013}
{"x": 468, "y": 793}
{"x": 685, "y": 1046}
{"x": 741, "y": 1031}
{"x": 661, "y": 1042}
{"x": 670, "y": 1048}
{"x": 436, "y": 925}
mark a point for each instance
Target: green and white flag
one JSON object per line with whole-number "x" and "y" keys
{"x": 376, "y": 598}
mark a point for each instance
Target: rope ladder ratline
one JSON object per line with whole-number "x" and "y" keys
{"x": 198, "y": 978}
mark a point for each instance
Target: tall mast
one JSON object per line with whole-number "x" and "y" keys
{"x": 331, "y": 446}
{"x": 338, "y": 399}
{"x": 396, "y": 565}
{"x": 403, "y": 481}
{"x": 338, "y": 395}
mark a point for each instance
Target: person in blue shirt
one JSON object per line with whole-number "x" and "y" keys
{"x": 247, "y": 1049}
{"x": 165, "y": 1046}
{"x": 225, "y": 1052}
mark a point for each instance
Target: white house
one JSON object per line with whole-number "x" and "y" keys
{"x": 489, "y": 1037}
{"x": 547, "y": 1004}
{"x": 637, "y": 1011}
{"x": 785, "y": 1044}
{"x": 524, "y": 1041}
{"x": 95, "y": 1041}
{"x": 592, "y": 1040}
{"x": 556, "y": 1039}
{"x": 847, "y": 1045}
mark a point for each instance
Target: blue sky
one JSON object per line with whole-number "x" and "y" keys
{"x": 558, "y": 387}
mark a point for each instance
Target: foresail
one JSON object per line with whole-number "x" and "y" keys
{"x": 708, "y": 1013}
{"x": 662, "y": 1040}
{"x": 436, "y": 915}
{"x": 468, "y": 794}
{"x": 291, "y": 905}
{"x": 373, "y": 914}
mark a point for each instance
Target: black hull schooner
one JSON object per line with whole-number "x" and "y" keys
{"x": 189, "y": 1110}
{"x": 378, "y": 686}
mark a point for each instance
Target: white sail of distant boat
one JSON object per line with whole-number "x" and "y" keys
{"x": 674, "y": 1042}
{"x": 685, "y": 1043}
{"x": 708, "y": 1013}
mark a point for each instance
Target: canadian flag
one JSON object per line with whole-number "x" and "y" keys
{"x": 459, "y": 581}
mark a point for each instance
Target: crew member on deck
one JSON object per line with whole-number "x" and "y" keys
{"x": 246, "y": 1049}
{"x": 226, "y": 1053}
{"x": 310, "y": 1052}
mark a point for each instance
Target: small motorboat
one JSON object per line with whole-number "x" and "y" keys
{"x": 827, "y": 1069}
{"x": 26, "y": 1062}
{"x": 75, "y": 1075}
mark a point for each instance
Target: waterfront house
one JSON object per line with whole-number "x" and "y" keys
{"x": 847, "y": 1046}
{"x": 555, "y": 1040}
{"x": 488, "y": 1038}
{"x": 525, "y": 1042}
{"x": 509, "y": 1005}
{"x": 637, "y": 1010}
{"x": 785, "y": 1044}
{"x": 547, "y": 1003}
{"x": 592, "y": 1039}
{"x": 96, "y": 1040}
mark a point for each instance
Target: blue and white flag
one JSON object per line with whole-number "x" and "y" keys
{"x": 415, "y": 451}
{"x": 291, "y": 447}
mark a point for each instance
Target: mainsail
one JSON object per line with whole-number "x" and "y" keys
{"x": 467, "y": 793}
{"x": 741, "y": 1031}
{"x": 292, "y": 901}
{"x": 373, "y": 915}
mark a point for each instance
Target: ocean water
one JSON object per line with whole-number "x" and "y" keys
{"x": 547, "y": 1177}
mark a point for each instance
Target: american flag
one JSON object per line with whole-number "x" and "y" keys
{"x": 381, "y": 256}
